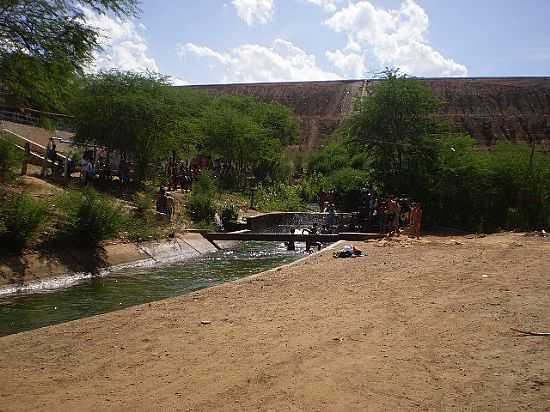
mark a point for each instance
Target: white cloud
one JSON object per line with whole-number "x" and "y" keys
{"x": 255, "y": 11}
{"x": 395, "y": 37}
{"x": 247, "y": 63}
{"x": 122, "y": 42}
{"x": 328, "y": 5}
{"x": 349, "y": 64}
{"x": 176, "y": 81}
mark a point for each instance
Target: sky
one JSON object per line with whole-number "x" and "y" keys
{"x": 241, "y": 41}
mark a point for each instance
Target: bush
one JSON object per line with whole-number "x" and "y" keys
{"x": 503, "y": 188}
{"x": 201, "y": 203}
{"x": 10, "y": 159}
{"x": 280, "y": 197}
{"x": 229, "y": 213}
{"x": 201, "y": 207}
{"x": 21, "y": 219}
{"x": 142, "y": 224}
{"x": 89, "y": 217}
{"x": 143, "y": 202}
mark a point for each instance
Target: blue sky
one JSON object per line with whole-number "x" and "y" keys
{"x": 221, "y": 41}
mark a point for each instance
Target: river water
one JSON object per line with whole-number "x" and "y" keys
{"x": 136, "y": 286}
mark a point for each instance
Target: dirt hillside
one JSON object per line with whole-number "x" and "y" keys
{"x": 489, "y": 109}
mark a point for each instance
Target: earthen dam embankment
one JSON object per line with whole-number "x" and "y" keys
{"x": 489, "y": 109}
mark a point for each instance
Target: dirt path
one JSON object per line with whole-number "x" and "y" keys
{"x": 413, "y": 326}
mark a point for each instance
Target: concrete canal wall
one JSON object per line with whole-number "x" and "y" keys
{"x": 39, "y": 269}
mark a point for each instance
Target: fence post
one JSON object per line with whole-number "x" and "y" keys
{"x": 26, "y": 158}
{"x": 66, "y": 175}
{"x": 44, "y": 165}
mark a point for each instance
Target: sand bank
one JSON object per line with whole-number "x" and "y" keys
{"x": 413, "y": 326}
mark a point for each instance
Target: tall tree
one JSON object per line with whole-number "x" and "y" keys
{"x": 138, "y": 114}
{"x": 47, "y": 42}
{"x": 397, "y": 127}
{"x": 249, "y": 134}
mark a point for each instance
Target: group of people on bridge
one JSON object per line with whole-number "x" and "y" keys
{"x": 385, "y": 215}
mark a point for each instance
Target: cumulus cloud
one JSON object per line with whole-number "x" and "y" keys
{"x": 395, "y": 37}
{"x": 254, "y": 11}
{"x": 283, "y": 61}
{"x": 349, "y": 64}
{"x": 328, "y": 5}
{"x": 123, "y": 45}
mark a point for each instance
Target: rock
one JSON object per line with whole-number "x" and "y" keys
{"x": 205, "y": 322}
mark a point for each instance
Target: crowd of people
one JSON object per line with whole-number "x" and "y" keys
{"x": 180, "y": 175}
{"x": 386, "y": 215}
{"x": 390, "y": 214}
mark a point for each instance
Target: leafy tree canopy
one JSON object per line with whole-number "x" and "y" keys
{"x": 397, "y": 127}
{"x": 138, "y": 114}
{"x": 144, "y": 116}
{"x": 45, "y": 42}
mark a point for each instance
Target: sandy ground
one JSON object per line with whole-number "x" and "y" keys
{"x": 413, "y": 326}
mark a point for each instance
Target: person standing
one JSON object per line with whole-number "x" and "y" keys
{"x": 394, "y": 210}
{"x": 332, "y": 219}
{"x": 416, "y": 220}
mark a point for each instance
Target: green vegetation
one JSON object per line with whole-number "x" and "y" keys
{"x": 202, "y": 201}
{"x": 507, "y": 187}
{"x": 280, "y": 197}
{"x": 10, "y": 160}
{"x": 45, "y": 44}
{"x": 394, "y": 145}
{"x": 250, "y": 136}
{"x": 141, "y": 223}
{"x": 144, "y": 117}
{"x": 140, "y": 115}
{"x": 87, "y": 217}
{"x": 21, "y": 220}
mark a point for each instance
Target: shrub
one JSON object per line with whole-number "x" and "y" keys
{"x": 201, "y": 203}
{"x": 89, "y": 217}
{"x": 10, "y": 159}
{"x": 21, "y": 219}
{"x": 143, "y": 202}
{"x": 201, "y": 207}
{"x": 229, "y": 213}
{"x": 280, "y": 197}
{"x": 349, "y": 180}
{"x": 142, "y": 224}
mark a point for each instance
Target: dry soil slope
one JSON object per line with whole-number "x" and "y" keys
{"x": 490, "y": 109}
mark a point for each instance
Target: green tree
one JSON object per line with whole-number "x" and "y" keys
{"x": 249, "y": 135}
{"x": 47, "y": 42}
{"x": 327, "y": 160}
{"x": 41, "y": 83}
{"x": 137, "y": 114}
{"x": 397, "y": 127}
{"x": 278, "y": 121}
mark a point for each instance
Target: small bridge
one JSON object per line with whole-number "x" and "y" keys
{"x": 289, "y": 237}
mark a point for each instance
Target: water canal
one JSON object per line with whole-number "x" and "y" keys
{"x": 23, "y": 312}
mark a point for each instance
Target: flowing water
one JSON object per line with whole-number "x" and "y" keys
{"x": 136, "y": 286}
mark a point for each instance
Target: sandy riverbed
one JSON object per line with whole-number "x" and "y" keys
{"x": 413, "y": 326}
